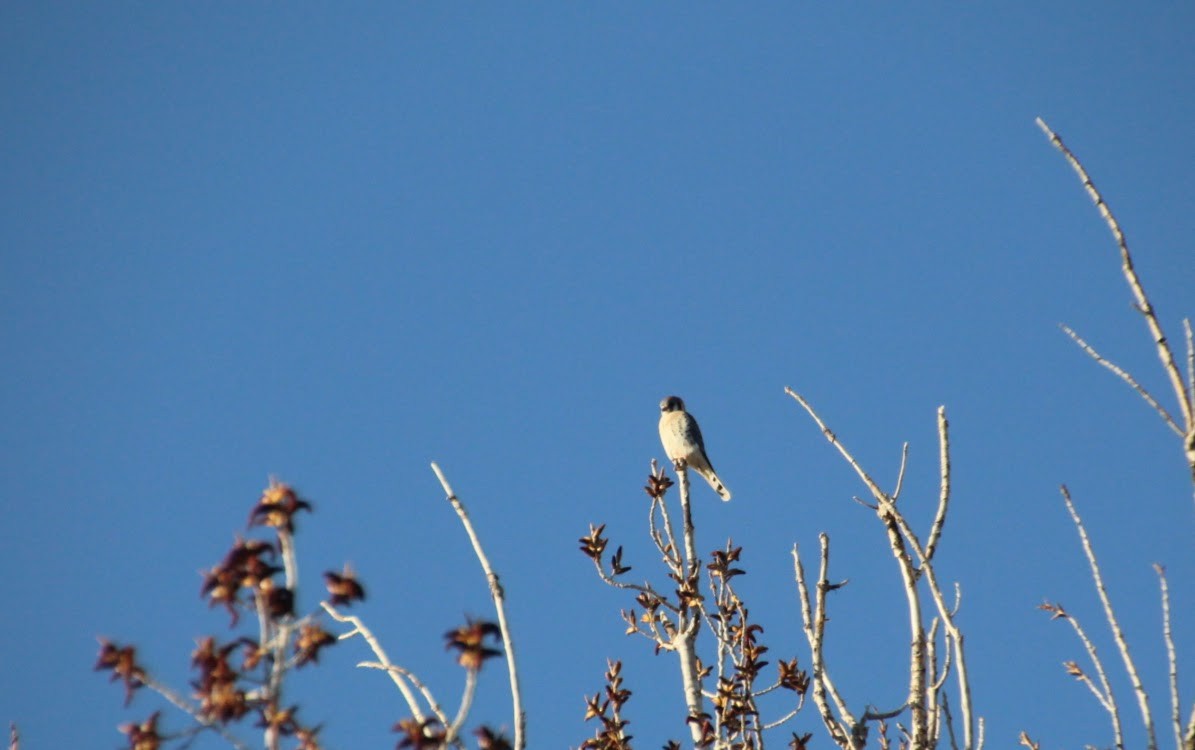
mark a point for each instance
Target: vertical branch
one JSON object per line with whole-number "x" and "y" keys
{"x": 814, "y": 625}
{"x": 280, "y": 630}
{"x": 935, "y": 531}
{"x": 1176, "y": 710}
{"x": 895, "y": 527}
{"x": 499, "y": 597}
{"x": 915, "y": 699}
{"x": 689, "y": 621}
{"x": 1190, "y": 358}
{"x": 1121, "y": 643}
{"x": 691, "y": 562}
{"x": 913, "y": 566}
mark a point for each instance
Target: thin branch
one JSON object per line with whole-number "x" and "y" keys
{"x": 1106, "y": 698}
{"x": 670, "y": 552}
{"x": 193, "y": 711}
{"x": 466, "y": 705}
{"x": 432, "y": 704}
{"x": 935, "y": 530}
{"x": 830, "y": 436}
{"x": 1176, "y": 716}
{"x": 1190, "y": 358}
{"x": 814, "y": 626}
{"x": 396, "y": 674}
{"x": 665, "y": 549}
{"x": 787, "y": 717}
{"x": 1121, "y": 643}
{"x": 894, "y": 521}
{"x": 1189, "y": 735}
{"x": 1125, "y": 376}
{"x": 900, "y": 475}
{"x": 1165, "y": 355}
{"x": 499, "y": 597}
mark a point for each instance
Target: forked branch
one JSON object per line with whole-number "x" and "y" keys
{"x": 915, "y": 561}
{"x": 1184, "y": 392}
{"x": 1122, "y": 644}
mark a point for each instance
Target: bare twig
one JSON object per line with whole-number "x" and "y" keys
{"x": 1125, "y": 376}
{"x": 1104, "y": 693}
{"x": 833, "y": 439}
{"x": 1190, "y": 358}
{"x": 935, "y": 531}
{"x": 814, "y": 625}
{"x": 1184, "y": 392}
{"x": 1126, "y": 260}
{"x": 1176, "y": 710}
{"x": 902, "y": 539}
{"x": 1121, "y": 643}
{"x": 499, "y": 597}
{"x": 396, "y": 673}
{"x": 900, "y": 474}
{"x": 433, "y": 705}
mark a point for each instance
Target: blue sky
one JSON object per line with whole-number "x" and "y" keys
{"x": 333, "y": 244}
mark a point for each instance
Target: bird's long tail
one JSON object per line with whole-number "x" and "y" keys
{"x": 716, "y": 483}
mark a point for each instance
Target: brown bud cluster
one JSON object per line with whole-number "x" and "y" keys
{"x": 343, "y": 587}
{"x": 469, "y": 640}
{"x": 143, "y": 736}
{"x": 247, "y": 566}
{"x": 220, "y": 696}
{"x": 277, "y": 508}
{"x": 657, "y": 485}
{"x": 428, "y": 734}
{"x": 606, "y": 707}
{"x": 594, "y": 545}
{"x": 122, "y": 661}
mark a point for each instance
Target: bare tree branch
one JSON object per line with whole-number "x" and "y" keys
{"x": 685, "y": 640}
{"x": 1190, "y": 358}
{"x": 1176, "y": 709}
{"x": 1121, "y": 643}
{"x": 1126, "y": 259}
{"x": 900, "y": 474}
{"x": 900, "y": 532}
{"x": 935, "y": 531}
{"x": 396, "y": 673}
{"x": 1125, "y": 376}
{"x": 499, "y": 597}
{"x": 814, "y": 625}
{"x": 1184, "y": 393}
{"x": 1103, "y": 693}
{"x": 433, "y": 705}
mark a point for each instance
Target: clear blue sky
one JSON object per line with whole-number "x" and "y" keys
{"x": 336, "y": 243}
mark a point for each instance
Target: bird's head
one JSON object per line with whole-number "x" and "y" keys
{"x": 672, "y": 403}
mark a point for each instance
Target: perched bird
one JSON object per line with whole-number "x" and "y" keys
{"x": 682, "y": 442}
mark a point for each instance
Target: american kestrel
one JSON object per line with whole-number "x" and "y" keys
{"x": 682, "y": 441}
